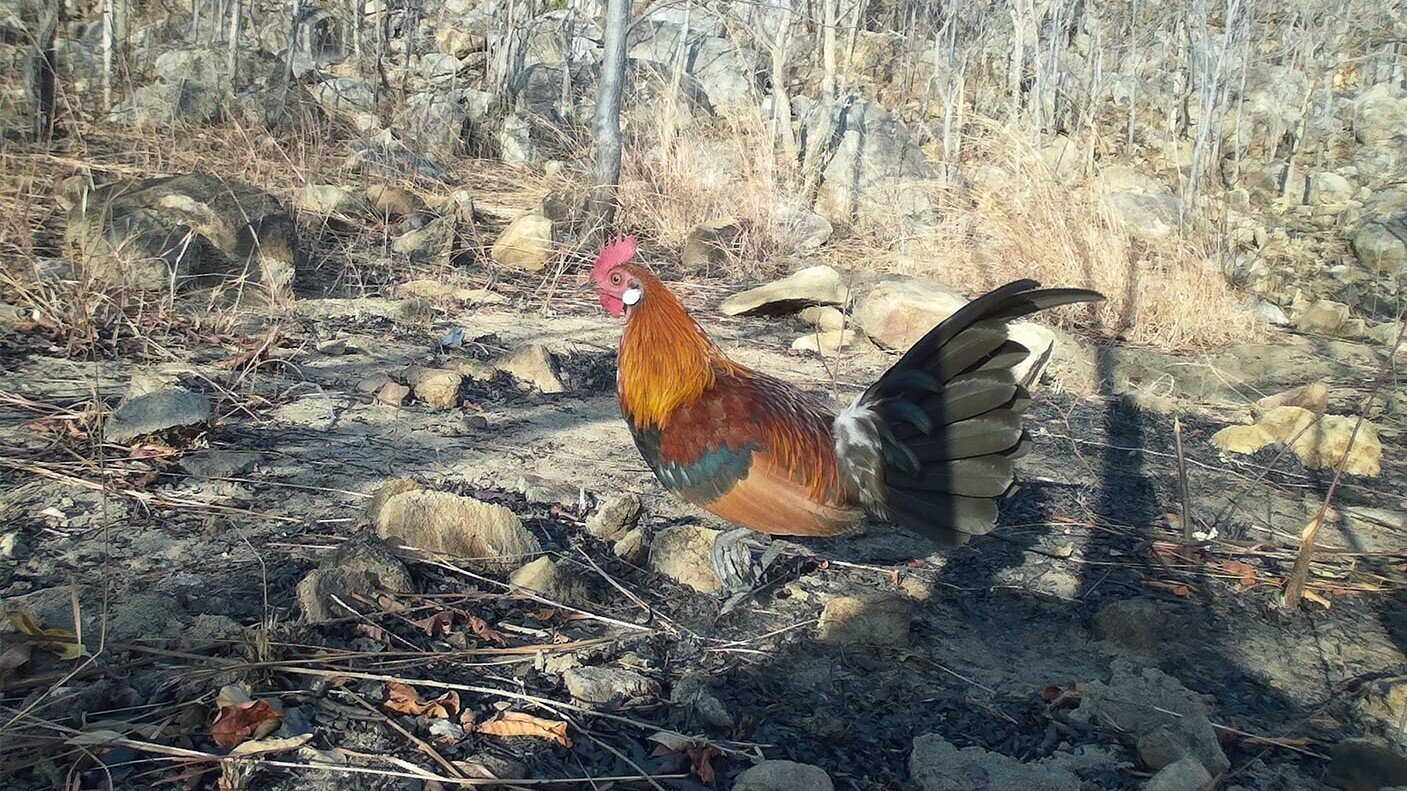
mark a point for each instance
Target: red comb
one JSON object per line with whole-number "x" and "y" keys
{"x": 616, "y": 251}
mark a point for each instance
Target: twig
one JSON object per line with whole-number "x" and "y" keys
{"x": 1294, "y": 583}
{"x": 419, "y": 743}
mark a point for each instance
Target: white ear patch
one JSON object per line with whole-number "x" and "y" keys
{"x": 630, "y": 296}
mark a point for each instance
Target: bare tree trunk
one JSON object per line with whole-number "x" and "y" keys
{"x": 109, "y": 13}
{"x": 781, "y": 103}
{"x": 607, "y": 122}
{"x": 40, "y": 74}
{"x": 830, "y": 85}
{"x": 232, "y": 55}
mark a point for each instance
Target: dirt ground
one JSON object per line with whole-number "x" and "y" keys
{"x": 185, "y": 581}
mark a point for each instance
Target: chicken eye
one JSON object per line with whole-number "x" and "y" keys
{"x": 615, "y": 278}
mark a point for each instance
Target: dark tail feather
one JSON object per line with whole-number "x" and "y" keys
{"x": 948, "y": 416}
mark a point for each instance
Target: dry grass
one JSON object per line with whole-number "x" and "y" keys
{"x": 678, "y": 172}
{"x": 1167, "y": 294}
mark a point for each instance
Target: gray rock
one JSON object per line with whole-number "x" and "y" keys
{"x": 170, "y": 103}
{"x": 434, "y": 387}
{"x": 516, "y": 143}
{"x": 1137, "y": 701}
{"x": 440, "y": 522}
{"x": 873, "y": 619}
{"x": 802, "y": 229}
{"x": 1382, "y": 246}
{"x": 710, "y": 245}
{"x": 1270, "y": 313}
{"x": 722, "y": 68}
{"x": 633, "y": 547}
{"x": 607, "y": 686}
{"x": 1381, "y": 161}
{"x": 345, "y": 95}
{"x": 219, "y": 463}
{"x": 691, "y": 691}
{"x": 427, "y": 243}
{"x": 542, "y": 490}
{"x": 434, "y": 122}
{"x": 1187, "y": 774}
{"x": 1137, "y": 624}
{"x": 526, "y": 244}
{"x": 358, "y": 568}
{"x": 1378, "y": 115}
{"x": 550, "y": 579}
{"x": 815, "y": 285}
{"x": 783, "y": 776}
{"x": 1148, "y": 209}
{"x": 898, "y": 311}
{"x": 195, "y": 230}
{"x": 874, "y": 168}
{"x": 937, "y": 765}
{"x": 823, "y": 317}
{"x": 330, "y": 200}
{"x": 684, "y": 554}
{"x": 532, "y": 364}
{"x": 1329, "y": 189}
{"x": 161, "y": 410}
{"x": 614, "y": 517}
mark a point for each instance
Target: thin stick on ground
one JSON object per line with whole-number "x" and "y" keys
{"x": 1295, "y": 582}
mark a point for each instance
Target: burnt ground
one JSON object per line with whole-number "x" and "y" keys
{"x": 184, "y": 584}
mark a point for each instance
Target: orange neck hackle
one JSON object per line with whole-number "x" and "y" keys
{"x": 666, "y": 360}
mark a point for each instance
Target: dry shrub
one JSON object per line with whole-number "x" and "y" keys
{"x": 1026, "y": 223}
{"x": 678, "y": 172}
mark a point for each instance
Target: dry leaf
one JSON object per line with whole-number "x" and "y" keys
{"x": 403, "y": 699}
{"x": 1245, "y": 571}
{"x": 93, "y": 738}
{"x": 65, "y": 647}
{"x": 371, "y": 632}
{"x": 515, "y": 723}
{"x": 232, "y": 695}
{"x": 242, "y": 722}
{"x": 12, "y": 657}
{"x": 483, "y": 630}
{"x": 437, "y": 624}
{"x": 702, "y": 758}
{"x": 266, "y": 746}
{"x": 1317, "y": 599}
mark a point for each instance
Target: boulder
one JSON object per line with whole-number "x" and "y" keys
{"x": 710, "y": 245}
{"x": 825, "y": 318}
{"x": 684, "y": 554}
{"x": 330, "y": 201}
{"x": 871, "y": 166}
{"x": 1166, "y": 721}
{"x": 186, "y": 231}
{"x": 435, "y": 122}
{"x": 897, "y": 311}
{"x": 875, "y": 619}
{"x": 360, "y": 566}
{"x": 436, "y": 388}
{"x": 1187, "y": 774}
{"x": 526, "y": 244}
{"x": 938, "y": 765}
{"x": 825, "y": 343}
{"x": 550, "y": 579}
{"x": 345, "y": 95}
{"x": 1323, "y": 317}
{"x": 1329, "y": 189}
{"x": 1146, "y": 207}
{"x": 1378, "y": 115}
{"x": 1382, "y": 246}
{"x": 607, "y": 687}
{"x": 783, "y": 776}
{"x": 816, "y": 285}
{"x": 444, "y": 523}
{"x": 532, "y": 364}
{"x": 1319, "y": 441}
{"x": 724, "y": 70}
{"x": 160, "y": 410}
{"x": 614, "y": 517}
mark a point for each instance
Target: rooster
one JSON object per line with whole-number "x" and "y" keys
{"x": 930, "y": 446}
